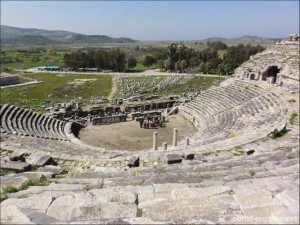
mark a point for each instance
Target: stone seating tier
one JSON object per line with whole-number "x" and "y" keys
{"x": 15, "y": 120}
{"x": 241, "y": 187}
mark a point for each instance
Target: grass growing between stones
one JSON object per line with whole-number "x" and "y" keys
{"x": 5, "y": 172}
{"x": 23, "y": 196}
{"x": 293, "y": 118}
{"x": 237, "y": 152}
{"x": 207, "y": 153}
{"x": 24, "y": 186}
{"x": 245, "y": 86}
{"x": 232, "y": 135}
{"x": 139, "y": 213}
{"x": 10, "y": 189}
{"x": 251, "y": 172}
{"x": 284, "y": 149}
{"x": 291, "y": 100}
{"x": 41, "y": 182}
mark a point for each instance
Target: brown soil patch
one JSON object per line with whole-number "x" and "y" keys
{"x": 129, "y": 136}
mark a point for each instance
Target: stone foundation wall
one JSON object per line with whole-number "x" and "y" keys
{"x": 108, "y": 120}
{"x": 9, "y": 80}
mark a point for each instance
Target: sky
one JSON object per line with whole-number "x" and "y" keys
{"x": 157, "y": 20}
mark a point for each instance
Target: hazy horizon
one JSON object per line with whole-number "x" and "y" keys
{"x": 157, "y": 21}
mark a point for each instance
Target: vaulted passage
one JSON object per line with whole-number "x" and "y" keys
{"x": 272, "y": 71}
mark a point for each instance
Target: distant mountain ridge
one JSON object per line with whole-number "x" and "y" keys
{"x": 16, "y": 35}
{"x": 29, "y": 40}
{"x": 243, "y": 39}
{"x": 13, "y": 32}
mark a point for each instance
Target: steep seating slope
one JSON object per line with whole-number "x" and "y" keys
{"x": 23, "y": 122}
{"x": 234, "y": 114}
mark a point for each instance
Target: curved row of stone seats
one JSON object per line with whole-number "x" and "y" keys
{"x": 19, "y": 121}
{"x": 234, "y": 113}
{"x": 211, "y": 192}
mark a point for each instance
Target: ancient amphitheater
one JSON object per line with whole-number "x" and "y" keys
{"x": 241, "y": 166}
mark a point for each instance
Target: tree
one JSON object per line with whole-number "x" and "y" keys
{"x": 131, "y": 62}
{"x": 194, "y": 61}
{"x": 183, "y": 65}
{"x": 117, "y": 59}
{"x": 149, "y": 60}
{"x": 102, "y": 60}
{"x": 168, "y": 64}
{"x": 51, "y": 51}
{"x": 160, "y": 64}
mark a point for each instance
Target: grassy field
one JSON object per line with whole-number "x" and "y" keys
{"x": 30, "y": 60}
{"x": 56, "y": 88}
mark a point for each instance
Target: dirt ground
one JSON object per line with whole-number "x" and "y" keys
{"x": 129, "y": 136}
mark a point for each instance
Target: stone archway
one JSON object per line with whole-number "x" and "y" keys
{"x": 252, "y": 76}
{"x": 272, "y": 71}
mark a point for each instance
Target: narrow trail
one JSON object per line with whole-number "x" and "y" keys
{"x": 114, "y": 87}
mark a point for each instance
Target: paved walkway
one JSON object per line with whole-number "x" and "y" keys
{"x": 144, "y": 73}
{"x": 22, "y": 84}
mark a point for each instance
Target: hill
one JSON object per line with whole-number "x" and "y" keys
{"x": 16, "y": 35}
{"x": 97, "y": 39}
{"x": 246, "y": 39}
{"x": 29, "y": 40}
{"x": 8, "y": 32}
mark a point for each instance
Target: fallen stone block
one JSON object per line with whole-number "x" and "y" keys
{"x": 40, "y": 204}
{"x": 173, "y": 158}
{"x": 17, "y": 156}
{"x": 10, "y": 180}
{"x": 39, "y": 159}
{"x": 66, "y": 187}
{"x": 134, "y": 161}
{"x": 52, "y": 169}
{"x": 105, "y": 170}
{"x": 201, "y": 158}
{"x": 188, "y": 155}
{"x": 15, "y": 166}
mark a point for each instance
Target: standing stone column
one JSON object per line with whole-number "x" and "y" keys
{"x": 154, "y": 140}
{"x": 187, "y": 141}
{"x": 165, "y": 146}
{"x": 175, "y": 132}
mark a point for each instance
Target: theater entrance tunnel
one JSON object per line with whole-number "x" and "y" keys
{"x": 272, "y": 71}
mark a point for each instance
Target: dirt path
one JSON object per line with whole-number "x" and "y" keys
{"x": 114, "y": 87}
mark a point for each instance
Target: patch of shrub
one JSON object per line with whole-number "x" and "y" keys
{"x": 23, "y": 196}
{"x": 10, "y": 189}
{"x": 232, "y": 135}
{"x": 291, "y": 100}
{"x": 251, "y": 172}
{"x": 292, "y": 118}
{"x": 139, "y": 213}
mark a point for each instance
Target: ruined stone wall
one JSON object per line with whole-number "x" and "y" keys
{"x": 261, "y": 67}
{"x": 10, "y": 80}
{"x": 150, "y": 106}
{"x": 108, "y": 120}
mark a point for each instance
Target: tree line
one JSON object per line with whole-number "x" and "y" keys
{"x": 114, "y": 59}
{"x": 217, "y": 58}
